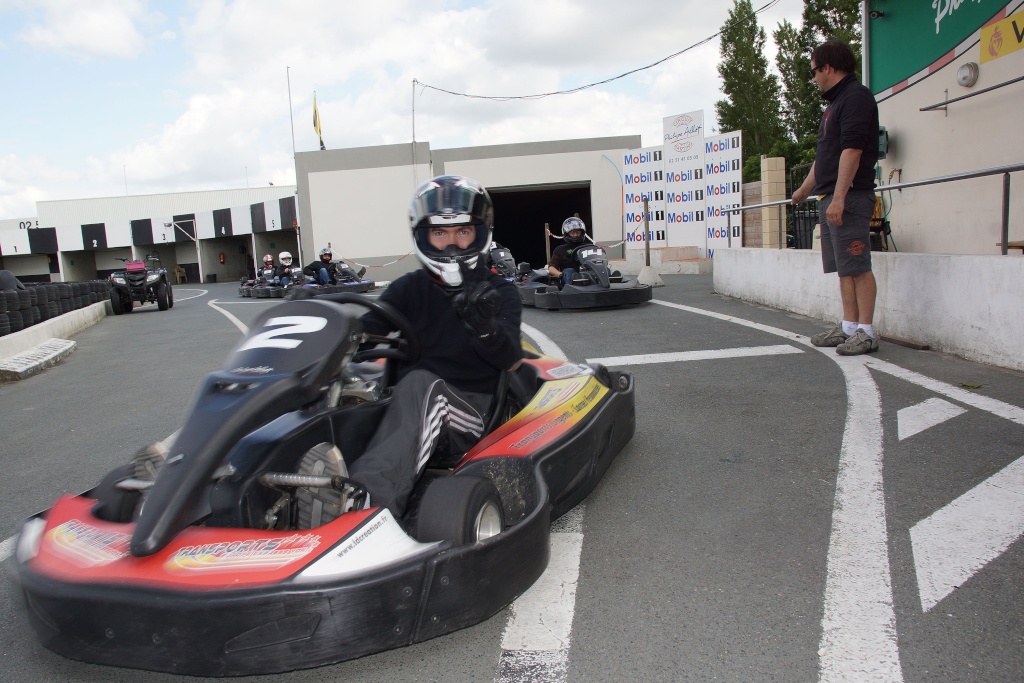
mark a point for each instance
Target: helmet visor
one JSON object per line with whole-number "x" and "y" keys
{"x": 451, "y": 203}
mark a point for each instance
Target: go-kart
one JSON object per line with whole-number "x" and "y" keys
{"x": 345, "y": 280}
{"x": 236, "y": 551}
{"x": 141, "y": 283}
{"x": 593, "y": 285}
{"x": 502, "y": 263}
{"x": 266, "y": 286}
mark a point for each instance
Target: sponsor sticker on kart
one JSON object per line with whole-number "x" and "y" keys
{"x": 86, "y": 545}
{"x": 569, "y": 370}
{"x": 263, "y": 554}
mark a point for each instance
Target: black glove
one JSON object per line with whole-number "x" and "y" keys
{"x": 478, "y": 303}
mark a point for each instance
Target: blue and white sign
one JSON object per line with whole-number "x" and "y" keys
{"x": 643, "y": 177}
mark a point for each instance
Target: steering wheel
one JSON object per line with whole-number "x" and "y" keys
{"x": 404, "y": 349}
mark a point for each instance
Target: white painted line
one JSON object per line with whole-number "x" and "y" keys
{"x": 858, "y": 640}
{"x": 237, "y": 323}
{"x": 544, "y": 343}
{"x": 859, "y": 624}
{"x": 990, "y": 405}
{"x": 777, "y": 331}
{"x": 707, "y": 354}
{"x": 952, "y": 544}
{"x": 535, "y": 644}
{"x": 7, "y": 548}
{"x": 202, "y": 292}
{"x": 915, "y": 419}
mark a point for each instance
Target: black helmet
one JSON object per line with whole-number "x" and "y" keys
{"x": 326, "y": 252}
{"x": 450, "y": 201}
{"x": 570, "y": 225}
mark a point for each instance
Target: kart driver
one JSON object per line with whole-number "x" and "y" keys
{"x": 563, "y": 262}
{"x": 284, "y": 269}
{"x": 467, "y": 319}
{"x": 325, "y": 272}
{"x": 269, "y": 271}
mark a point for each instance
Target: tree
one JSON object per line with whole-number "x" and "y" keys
{"x": 834, "y": 20}
{"x": 752, "y": 92}
{"x": 802, "y": 103}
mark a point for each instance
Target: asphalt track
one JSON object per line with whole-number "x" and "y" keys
{"x": 782, "y": 514}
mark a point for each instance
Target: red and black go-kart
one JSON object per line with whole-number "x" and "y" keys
{"x": 222, "y": 556}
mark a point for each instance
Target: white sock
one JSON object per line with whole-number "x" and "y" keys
{"x": 868, "y": 329}
{"x": 849, "y": 328}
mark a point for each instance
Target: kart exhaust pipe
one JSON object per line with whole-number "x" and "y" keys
{"x": 309, "y": 481}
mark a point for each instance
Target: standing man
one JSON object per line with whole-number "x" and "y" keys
{"x": 843, "y": 176}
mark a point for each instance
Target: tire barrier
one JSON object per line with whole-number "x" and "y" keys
{"x": 38, "y": 302}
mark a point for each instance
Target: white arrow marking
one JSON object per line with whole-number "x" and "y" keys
{"x": 954, "y": 543}
{"x": 934, "y": 411}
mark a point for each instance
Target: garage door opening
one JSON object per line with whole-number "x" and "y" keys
{"x": 520, "y": 215}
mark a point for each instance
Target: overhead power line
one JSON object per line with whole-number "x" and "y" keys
{"x": 506, "y": 98}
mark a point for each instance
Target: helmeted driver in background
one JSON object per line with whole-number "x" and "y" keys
{"x": 467, "y": 319}
{"x": 284, "y": 268}
{"x": 563, "y": 264}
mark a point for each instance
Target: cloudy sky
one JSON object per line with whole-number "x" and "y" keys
{"x": 106, "y": 97}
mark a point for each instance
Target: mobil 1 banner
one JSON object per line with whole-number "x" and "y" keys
{"x": 684, "y": 179}
{"x": 643, "y": 177}
{"x": 723, "y": 189}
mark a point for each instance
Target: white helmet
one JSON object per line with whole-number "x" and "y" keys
{"x": 450, "y": 201}
{"x": 285, "y": 257}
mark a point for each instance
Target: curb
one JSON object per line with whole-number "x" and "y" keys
{"x": 36, "y": 359}
{"x": 34, "y": 349}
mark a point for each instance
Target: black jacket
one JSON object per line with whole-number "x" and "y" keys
{"x": 450, "y": 351}
{"x": 850, "y": 121}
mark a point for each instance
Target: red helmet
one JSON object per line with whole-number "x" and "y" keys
{"x": 268, "y": 261}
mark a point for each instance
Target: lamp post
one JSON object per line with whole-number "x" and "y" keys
{"x": 199, "y": 254}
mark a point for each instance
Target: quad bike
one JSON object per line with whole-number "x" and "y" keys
{"x": 143, "y": 282}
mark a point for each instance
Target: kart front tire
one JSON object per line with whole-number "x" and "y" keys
{"x": 161, "y": 296}
{"x": 460, "y": 509}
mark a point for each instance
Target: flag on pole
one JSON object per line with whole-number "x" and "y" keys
{"x": 316, "y": 123}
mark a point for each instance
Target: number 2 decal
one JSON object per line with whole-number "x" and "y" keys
{"x": 293, "y": 324}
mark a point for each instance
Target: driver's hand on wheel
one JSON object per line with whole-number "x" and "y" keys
{"x": 478, "y": 303}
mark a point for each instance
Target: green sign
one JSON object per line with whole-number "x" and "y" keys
{"x": 907, "y": 36}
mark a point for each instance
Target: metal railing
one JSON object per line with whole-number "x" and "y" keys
{"x": 1004, "y": 170}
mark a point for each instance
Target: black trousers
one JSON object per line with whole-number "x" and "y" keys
{"x": 428, "y": 418}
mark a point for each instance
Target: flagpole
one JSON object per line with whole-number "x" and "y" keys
{"x": 414, "y": 183}
{"x": 291, "y": 116}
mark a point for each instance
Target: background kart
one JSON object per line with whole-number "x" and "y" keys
{"x": 593, "y": 286}
{"x": 347, "y": 280}
{"x": 233, "y": 560}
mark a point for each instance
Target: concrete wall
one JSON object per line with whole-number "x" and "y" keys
{"x": 967, "y": 305}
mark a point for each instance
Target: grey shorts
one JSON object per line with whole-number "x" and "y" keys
{"x": 846, "y": 248}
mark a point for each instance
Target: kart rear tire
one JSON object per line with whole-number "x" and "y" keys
{"x": 460, "y": 509}
{"x": 161, "y": 296}
{"x": 115, "y": 302}
{"x": 316, "y": 507}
